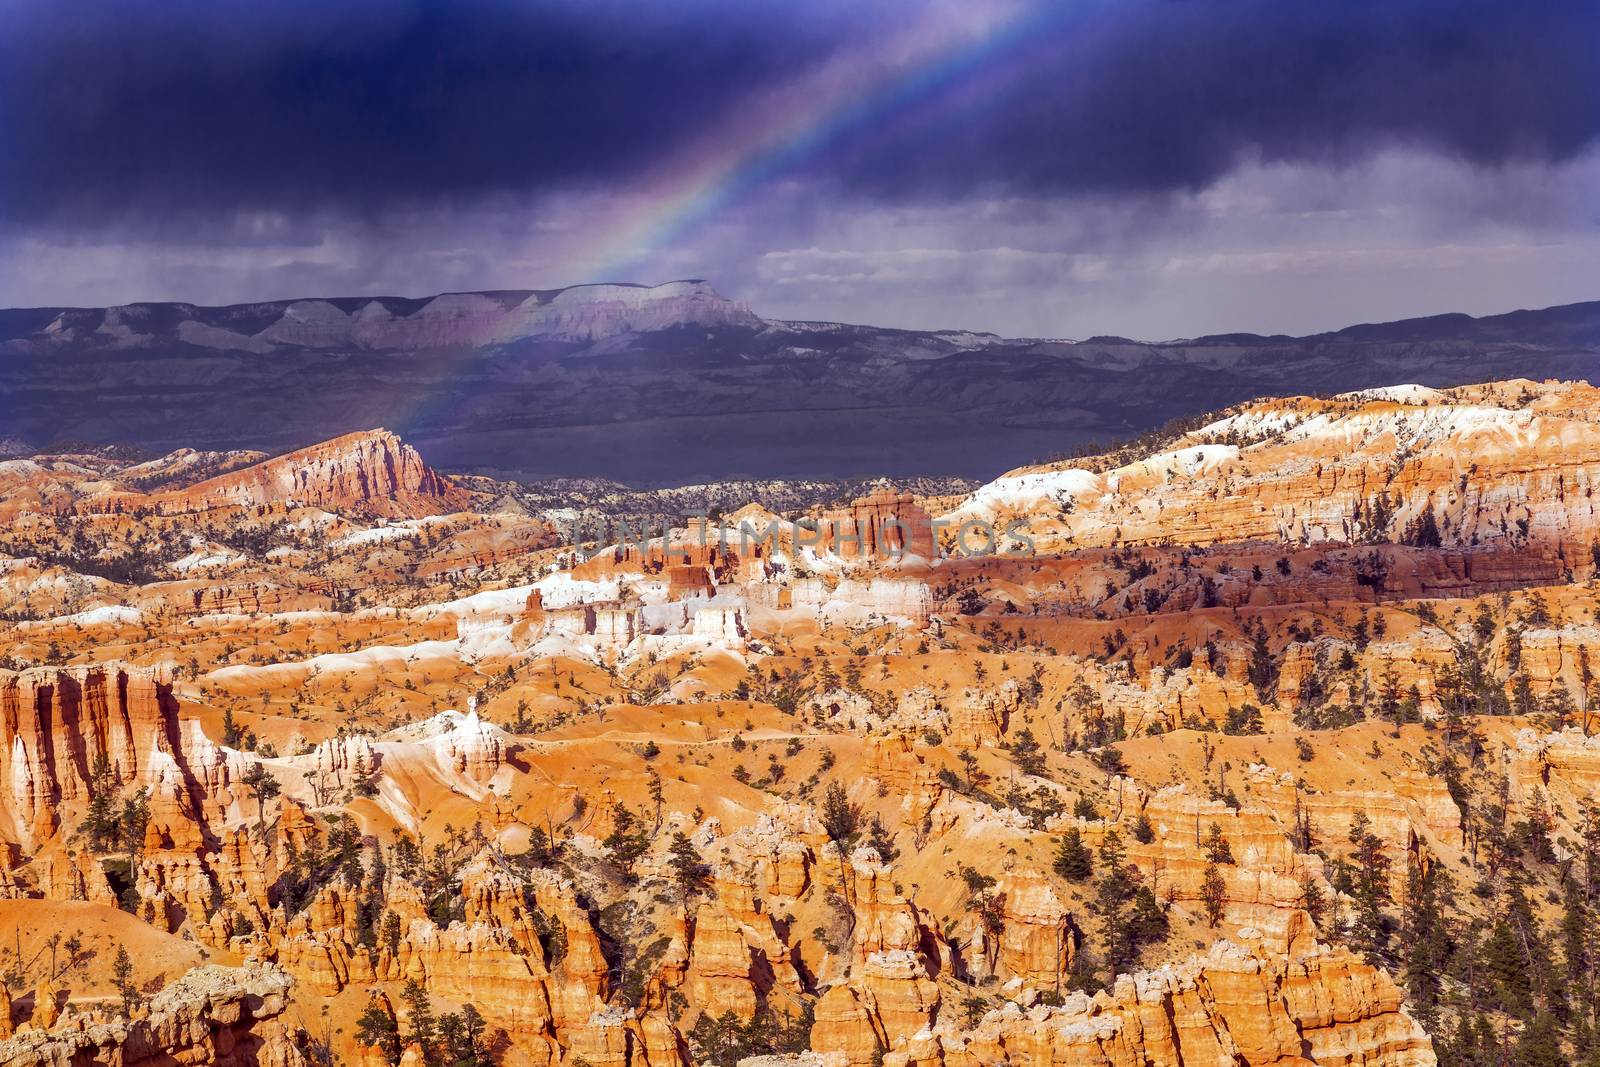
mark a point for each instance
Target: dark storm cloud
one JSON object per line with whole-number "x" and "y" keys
{"x": 1172, "y": 94}
{"x": 173, "y": 109}
{"x": 365, "y": 104}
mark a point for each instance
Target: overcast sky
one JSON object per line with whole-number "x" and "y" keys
{"x": 1154, "y": 168}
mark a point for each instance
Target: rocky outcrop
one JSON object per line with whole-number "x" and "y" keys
{"x": 975, "y": 717}
{"x": 205, "y": 596}
{"x": 1559, "y": 657}
{"x": 487, "y": 966}
{"x": 886, "y": 919}
{"x": 1038, "y": 938}
{"x": 342, "y": 759}
{"x": 1228, "y": 1006}
{"x": 980, "y": 716}
{"x": 372, "y": 472}
{"x": 57, "y": 722}
{"x": 883, "y": 525}
{"x": 1510, "y": 465}
{"x": 851, "y": 601}
{"x": 212, "y": 1017}
{"x": 1264, "y": 886}
{"x": 616, "y": 1037}
{"x": 1565, "y": 764}
{"x": 773, "y": 857}
{"x": 75, "y": 876}
{"x": 472, "y": 748}
{"x": 497, "y": 959}
{"x": 736, "y": 958}
{"x": 174, "y": 887}
{"x": 889, "y": 1001}
{"x": 895, "y": 955}
{"x": 724, "y": 625}
{"x": 720, "y": 964}
{"x": 46, "y": 1005}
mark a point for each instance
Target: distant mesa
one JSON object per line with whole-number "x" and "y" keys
{"x": 580, "y": 313}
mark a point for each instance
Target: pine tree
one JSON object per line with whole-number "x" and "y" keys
{"x": 407, "y": 856}
{"x": 1245, "y": 719}
{"x": 1371, "y": 891}
{"x": 1213, "y": 894}
{"x": 1540, "y": 1044}
{"x": 378, "y": 872}
{"x": 1114, "y": 891}
{"x": 363, "y": 779}
{"x": 881, "y": 841}
{"x": 419, "y": 1015}
{"x": 1263, "y": 672}
{"x": 1313, "y": 901}
{"x": 1576, "y": 943}
{"x": 688, "y": 869}
{"x": 1423, "y": 531}
{"x": 1580, "y": 930}
{"x": 461, "y": 1038}
{"x": 1216, "y": 847}
{"x": 134, "y": 819}
{"x": 1426, "y": 936}
{"x": 232, "y": 735}
{"x": 122, "y": 979}
{"x": 1073, "y": 859}
{"x": 100, "y": 823}
{"x": 389, "y": 932}
{"x": 265, "y": 786}
{"x": 1523, "y": 702}
{"x": 1148, "y": 924}
{"x": 1027, "y": 754}
{"x": 841, "y": 820}
{"x": 376, "y": 1028}
{"x": 1504, "y": 965}
{"x": 1472, "y": 1045}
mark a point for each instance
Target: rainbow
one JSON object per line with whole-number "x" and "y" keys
{"x": 790, "y": 125}
{"x": 782, "y": 129}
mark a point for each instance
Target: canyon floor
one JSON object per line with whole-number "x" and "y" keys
{"x": 1266, "y": 740}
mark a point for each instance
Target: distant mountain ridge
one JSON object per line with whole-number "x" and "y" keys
{"x": 676, "y": 383}
{"x": 1561, "y": 324}
{"x": 580, "y": 313}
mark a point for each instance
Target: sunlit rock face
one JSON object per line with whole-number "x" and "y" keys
{"x": 57, "y": 724}
{"x": 1226, "y": 1005}
{"x": 1506, "y": 466}
{"x": 213, "y": 1017}
{"x": 882, "y": 525}
{"x": 372, "y": 472}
